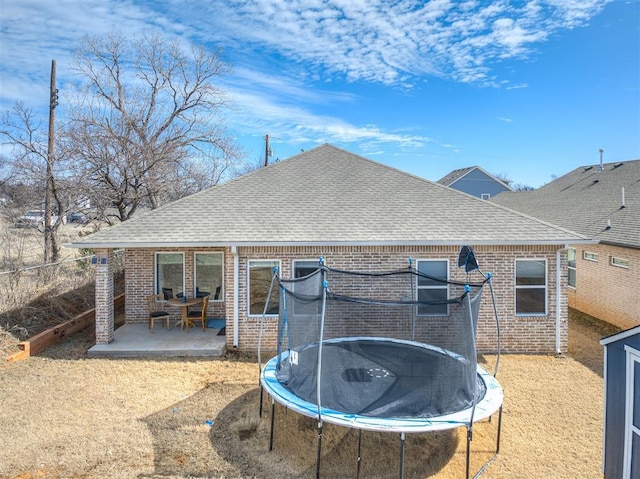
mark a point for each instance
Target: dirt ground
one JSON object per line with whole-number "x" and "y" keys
{"x": 65, "y": 416}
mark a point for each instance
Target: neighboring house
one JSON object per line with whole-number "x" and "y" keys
{"x": 475, "y": 181}
{"x": 622, "y": 404}
{"x": 356, "y": 214}
{"x": 601, "y": 202}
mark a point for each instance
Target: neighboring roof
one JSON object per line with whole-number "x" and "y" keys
{"x": 588, "y": 200}
{"x": 621, "y": 335}
{"x": 328, "y": 196}
{"x": 457, "y": 175}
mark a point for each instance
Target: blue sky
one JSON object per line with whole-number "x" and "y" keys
{"x": 526, "y": 89}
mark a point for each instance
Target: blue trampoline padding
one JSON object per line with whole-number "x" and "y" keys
{"x": 486, "y": 406}
{"x": 216, "y": 323}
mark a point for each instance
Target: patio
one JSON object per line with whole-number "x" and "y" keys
{"x": 137, "y": 340}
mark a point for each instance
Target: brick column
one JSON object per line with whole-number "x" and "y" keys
{"x": 104, "y": 296}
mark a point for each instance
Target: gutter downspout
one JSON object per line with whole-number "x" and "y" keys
{"x": 236, "y": 292}
{"x": 558, "y": 297}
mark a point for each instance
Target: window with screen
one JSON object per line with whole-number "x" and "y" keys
{"x": 260, "y": 275}
{"x": 432, "y": 290}
{"x": 170, "y": 274}
{"x": 531, "y": 287}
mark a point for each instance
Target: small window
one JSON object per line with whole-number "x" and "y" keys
{"x": 485, "y": 196}
{"x": 619, "y": 262}
{"x": 531, "y": 287}
{"x": 590, "y": 256}
{"x": 304, "y": 267}
{"x": 431, "y": 289}
{"x": 259, "y": 282}
{"x": 208, "y": 275}
{"x": 170, "y": 274}
{"x": 571, "y": 266}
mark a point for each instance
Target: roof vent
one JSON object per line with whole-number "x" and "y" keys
{"x": 601, "y": 164}
{"x": 587, "y": 168}
{"x": 594, "y": 182}
{"x": 624, "y": 205}
{"x": 617, "y": 165}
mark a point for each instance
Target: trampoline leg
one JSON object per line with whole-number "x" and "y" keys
{"x": 402, "y": 455}
{"x": 318, "y": 456}
{"x": 261, "y": 394}
{"x": 499, "y": 430}
{"x": 359, "y": 453}
{"x": 273, "y": 416}
{"x": 469, "y": 437}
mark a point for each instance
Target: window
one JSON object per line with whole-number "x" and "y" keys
{"x": 260, "y": 275}
{"x": 304, "y": 267}
{"x": 208, "y": 275}
{"x": 170, "y": 273}
{"x": 531, "y": 286}
{"x": 619, "y": 262}
{"x": 571, "y": 266}
{"x": 485, "y": 196}
{"x": 431, "y": 289}
{"x": 590, "y": 256}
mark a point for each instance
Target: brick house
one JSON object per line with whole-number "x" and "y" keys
{"x": 356, "y": 214}
{"x": 600, "y": 201}
{"x": 475, "y": 181}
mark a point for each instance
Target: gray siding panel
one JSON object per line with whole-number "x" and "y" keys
{"x": 615, "y": 406}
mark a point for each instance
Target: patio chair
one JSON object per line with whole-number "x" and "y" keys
{"x": 193, "y": 316}
{"x": 168, "y": 293}
{"x": 155, "y": 303}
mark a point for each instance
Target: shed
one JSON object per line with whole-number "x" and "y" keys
{"x": 622, "y": 405}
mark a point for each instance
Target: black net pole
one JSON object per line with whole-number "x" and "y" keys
{"x": 359, "y": 453}
{"x": 402, "y": 455}
{"x": 319, "y": 455}
{"x": 273, "y": 416}
{"x": 261, "y": 395}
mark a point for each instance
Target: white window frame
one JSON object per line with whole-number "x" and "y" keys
{"x": 445, "y": 286}
{"x": 619, "y": 262}
{"x": 590, "y": 256}
{"x": 572, "y": 268}
{"x": 295, "y": 262}
{"x": 195, "y": 274}
{"x": 157, "y": 288}
{"x": 532, "y": 286}
{"x": 249, "y": 263}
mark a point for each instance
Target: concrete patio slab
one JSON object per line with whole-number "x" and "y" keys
{"x": 137, "y": 340}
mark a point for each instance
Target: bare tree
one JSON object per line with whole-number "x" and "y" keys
{"x": 28, "y": 137}
{"x": 147, "y": 126}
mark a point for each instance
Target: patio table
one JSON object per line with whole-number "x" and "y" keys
{"x": 185, "y": 306}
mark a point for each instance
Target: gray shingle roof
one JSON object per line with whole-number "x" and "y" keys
{"x": 587, "y": 200}
{"x": 329, "y": 196}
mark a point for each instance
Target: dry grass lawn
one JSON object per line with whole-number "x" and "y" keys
{"x": 65, "y": 416}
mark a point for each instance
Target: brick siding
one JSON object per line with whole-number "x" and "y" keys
{"x": 519, "y": 334}
{"x": 604, "y": 291}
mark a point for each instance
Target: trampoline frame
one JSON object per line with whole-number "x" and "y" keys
{"x": 483, "y": 409}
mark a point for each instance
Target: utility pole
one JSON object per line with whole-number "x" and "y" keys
{"x": 49, "y": 242}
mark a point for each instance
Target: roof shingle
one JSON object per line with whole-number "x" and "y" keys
{"x": 588, "y": 200}
{"x": 329, "y": 196}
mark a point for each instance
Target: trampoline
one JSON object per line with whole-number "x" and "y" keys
{"x": 389, "y": 351}
{"x": 378, "y": 395}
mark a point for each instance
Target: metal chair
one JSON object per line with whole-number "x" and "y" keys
{"x": 155, "y": 303}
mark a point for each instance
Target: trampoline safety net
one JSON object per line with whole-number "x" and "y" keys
{"x": 392, "y": 344}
